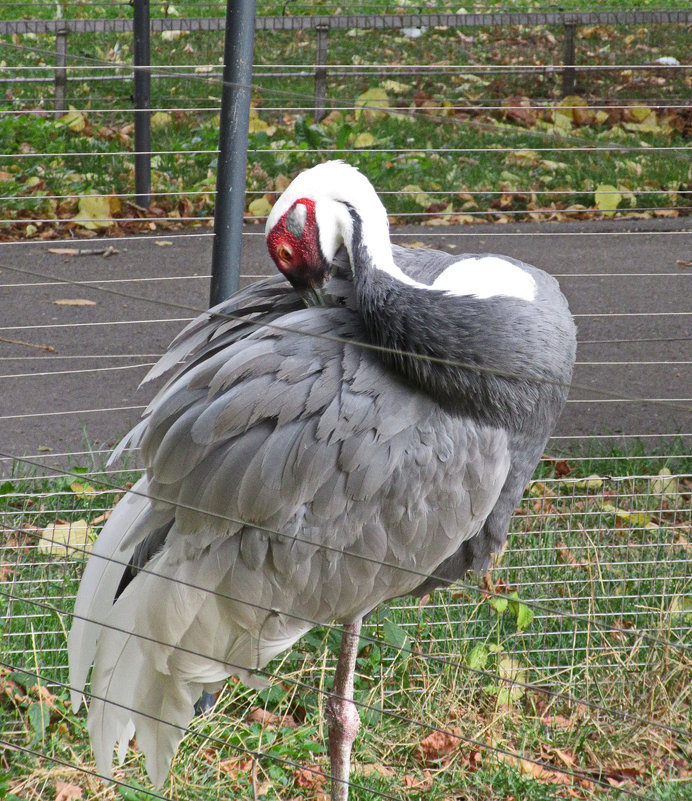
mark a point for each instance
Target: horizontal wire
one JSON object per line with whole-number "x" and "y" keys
{"x": 260, "y": 218}
{"x": 74, "y": 766}
{"x": 363, "y": 345}
{"x": 329, "y": 149}
{"x": 573, "y": 774}
{"x": 176, "y": 504}
{"x": 401, "y": 192}
{"x": 476, "y": 106}
{"x": 370, "y": 639}
{"x": 108, "y": 369}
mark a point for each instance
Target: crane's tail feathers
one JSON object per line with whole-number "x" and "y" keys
{"x": 130, "y": 520}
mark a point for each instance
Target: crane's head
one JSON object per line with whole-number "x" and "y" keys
{"x": 313, "y": 218}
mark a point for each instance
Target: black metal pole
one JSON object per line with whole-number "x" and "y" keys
{"x": 233, "y": 137}
{"x": 61, "y": 70}
{"x": 142, "y": 101}
{"x": 569, "y": 60}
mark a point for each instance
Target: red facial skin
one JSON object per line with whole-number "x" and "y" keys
{"x": 298, "y": 256}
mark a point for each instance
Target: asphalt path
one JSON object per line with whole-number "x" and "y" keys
{"x": 627, "y": 282}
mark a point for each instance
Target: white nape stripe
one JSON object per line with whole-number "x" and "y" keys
{"x": 486, "y": 277}
{"x": 483, "y": 277}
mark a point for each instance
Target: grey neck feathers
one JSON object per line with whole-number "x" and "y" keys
{"x": 475, "y": 357}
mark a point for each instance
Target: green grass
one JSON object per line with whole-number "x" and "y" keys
{"x": 445, "y": 152}
{"x": 438, "y": 665}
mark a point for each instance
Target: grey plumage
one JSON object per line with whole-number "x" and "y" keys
{"x": 296, "y": 477}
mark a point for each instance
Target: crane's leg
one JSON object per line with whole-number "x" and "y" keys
{"x": 342, "y": 715}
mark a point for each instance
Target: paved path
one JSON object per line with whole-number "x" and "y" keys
{"x": 630, "y": 295}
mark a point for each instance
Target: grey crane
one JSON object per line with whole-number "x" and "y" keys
{"x": 360, "y": 433}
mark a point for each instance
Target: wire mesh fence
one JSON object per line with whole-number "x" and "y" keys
{"x": 585, "y": 619}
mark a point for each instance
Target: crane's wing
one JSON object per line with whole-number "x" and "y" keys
{"x": 292, "y": 480}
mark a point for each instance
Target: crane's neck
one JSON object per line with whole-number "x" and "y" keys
{"x": 461, "y": 350}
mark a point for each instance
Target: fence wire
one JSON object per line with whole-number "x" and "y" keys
{"x": 587, "y": 610}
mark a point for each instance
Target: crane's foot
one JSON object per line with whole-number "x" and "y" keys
{"x": 342, "y": 716}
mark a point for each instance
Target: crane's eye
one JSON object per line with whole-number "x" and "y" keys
{"x": 284, "y": 253}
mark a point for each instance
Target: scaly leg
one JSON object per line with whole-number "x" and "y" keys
{"x": 342, "y": 716}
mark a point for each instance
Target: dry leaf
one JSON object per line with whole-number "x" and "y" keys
{"x": 259, "y": 207}
{"x": 266, "y": 718}
{"x": 67, "y": 792}
{"x": 607, "y": 198}
{"x": 310, "y": 779}
{"x": 438, "y": 744}
{"x": 364, "y": 140}
{"x": 74, "y": 302}
{"x": 163, "y": 243}
{"x": 66, "y": 539}
{"x": 64, "y": 251}
{"x": 95, "y": 212}
{"x": 371, "y": 103}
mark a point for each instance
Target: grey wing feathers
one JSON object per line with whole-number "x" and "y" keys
{"x": 304, "y": 466}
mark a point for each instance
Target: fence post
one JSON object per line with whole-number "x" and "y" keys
{"x": 569, "y": 60}
{"x": 233, "y": 138}
{"x": 61, "y": 70}
{"x": 321, "y": 72}
{"x": 142, "y": 102}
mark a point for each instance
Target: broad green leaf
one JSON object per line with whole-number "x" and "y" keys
{"x": 394, "y": 635}
{"x": 498, "y": 603}
{"x": 39, "y": 718}
{"x": 607, "y": 198}
{"x": 523, "y": 613}
{"x": 665, "y": 485}
{"x": 478, "y": 658}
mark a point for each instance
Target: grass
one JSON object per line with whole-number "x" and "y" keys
{"x": 608, "y": 540}
{"x": 489, "y": 669}
{"x": 490, "y": 141}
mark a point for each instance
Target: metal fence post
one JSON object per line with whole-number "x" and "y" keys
{"x": 61, "y": 70}
{"x": 321, "y": 72}
{"x": 569, "y": 60}
{"x": 142, "y": 102}
{"x": 233, "y": 139}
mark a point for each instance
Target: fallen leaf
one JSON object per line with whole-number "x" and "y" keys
{"x": 259, "y": 207}
{"x": 74, "y": 302}
{"x": 364, "y": 140}
{"x": 310, "y": 777}
{"x": 160, "y": 119}
{"x": 371, "y": 104}
{"x": 66, "y": 539}
{"x": 438, "y": 744}
{"x": 266, "y": 718}
{"x": 635, "y": 518}
{"x": 95, "y": 211}
{"x": 607, "y": 199}
{"x": 592, "y": 482}
{"x": 423, "y": 783}
{"x": 163, "y": 243}
{"x": 74, "y": 120}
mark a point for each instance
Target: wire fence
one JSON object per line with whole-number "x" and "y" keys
{"x": 585, "y": 619}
